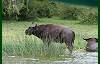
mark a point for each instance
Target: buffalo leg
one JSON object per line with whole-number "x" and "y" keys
{"x": 69, "y": 46}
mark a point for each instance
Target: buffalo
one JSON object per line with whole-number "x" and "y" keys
{"x": 92, "y": 44}
{"x": 51, "y": 32}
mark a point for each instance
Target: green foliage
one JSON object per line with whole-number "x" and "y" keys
{"x": 41, "y": 9}
{"x": 88, "y": 16}
{"x": 11, "y": 8}
{"x": 29, "y": 48}
{"x": 32, "y": 9}
{"x": 26, "y": 9}
{"x": 68, "y": 12}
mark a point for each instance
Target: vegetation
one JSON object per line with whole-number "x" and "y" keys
{"x": 32, "y": 9}
{"x": 16, "y": 43}
{"x": 82, "y": 2}
{"x": 20, "y": 14}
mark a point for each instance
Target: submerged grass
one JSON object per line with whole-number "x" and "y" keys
{"x": 16, "y": 43}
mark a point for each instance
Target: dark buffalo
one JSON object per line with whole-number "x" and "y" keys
{"x": 50, "y": 32}
{"x": 92, "y": 45}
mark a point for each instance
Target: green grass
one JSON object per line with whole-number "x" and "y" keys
{"x": 16, "y": 43}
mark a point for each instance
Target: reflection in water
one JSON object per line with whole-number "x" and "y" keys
{"x": 80, "y": 58}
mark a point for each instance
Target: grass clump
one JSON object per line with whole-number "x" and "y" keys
{"x": 32, "y": 47}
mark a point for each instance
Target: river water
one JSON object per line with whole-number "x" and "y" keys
{"x": 80, "y": 58}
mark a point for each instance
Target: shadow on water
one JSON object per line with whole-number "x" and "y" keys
{"x": 80, "y": 58}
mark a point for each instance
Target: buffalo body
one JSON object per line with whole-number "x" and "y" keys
{"x": 50, "y": 32}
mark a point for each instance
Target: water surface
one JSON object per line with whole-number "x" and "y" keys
{"x": 80, "y": 58}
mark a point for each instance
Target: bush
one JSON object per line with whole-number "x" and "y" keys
{"x": 27, "y": 9}
{"x": 70, "y": 13}
{"x": 88, "y": 17}
{"x": 41, "y": 9}
{"x": 67, "y": 11}
{"x": 31, "y": 9}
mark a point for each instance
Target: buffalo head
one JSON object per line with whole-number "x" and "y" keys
{"x": 31, "y": 30}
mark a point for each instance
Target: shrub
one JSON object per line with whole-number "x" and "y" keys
{"x": 27, "y": 9}
{"x": 41, "y": 9}
{"x": 32, "y": 9}
{"x": 11, "y": 8}
{"x": 67, "y": 12}
{"x": 88, "y": 17}
{"x": 70, "y": 13}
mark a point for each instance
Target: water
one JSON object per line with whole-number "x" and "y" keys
{"x": 80, "y": 58}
